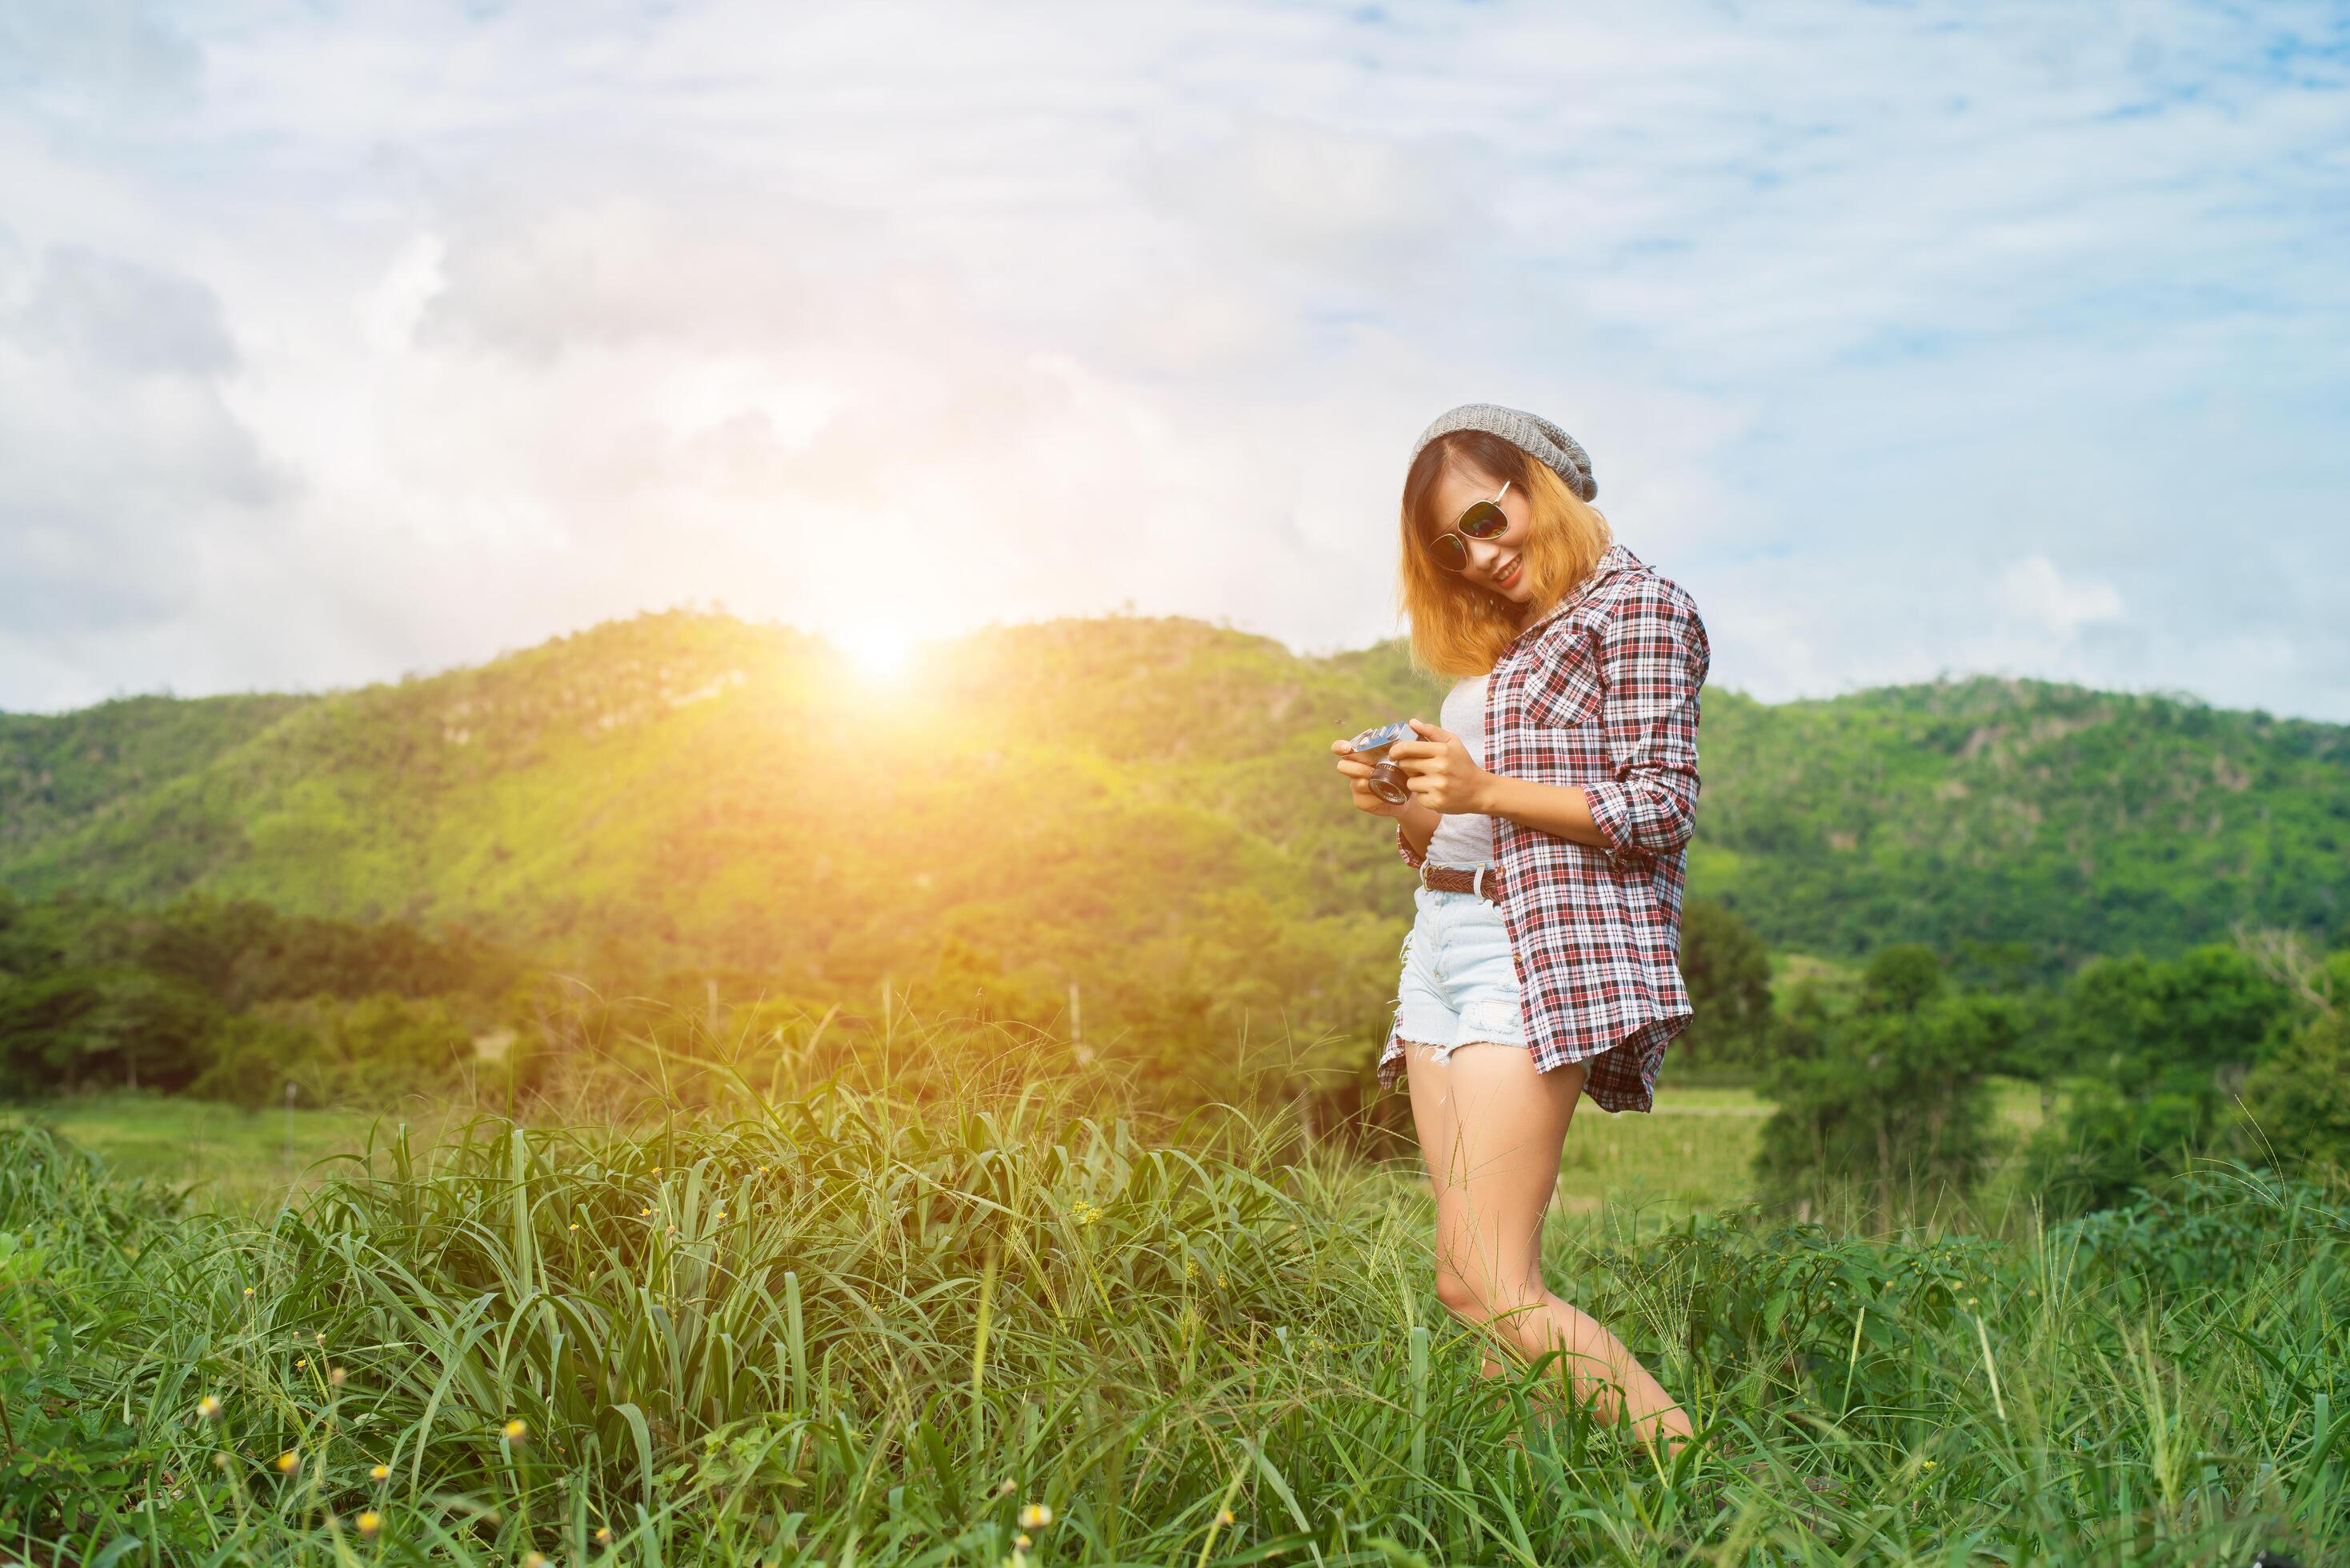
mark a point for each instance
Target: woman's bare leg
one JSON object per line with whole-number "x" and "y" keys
{"x": 1490, "y": 1129}
{"x": 1436, "y": 1118}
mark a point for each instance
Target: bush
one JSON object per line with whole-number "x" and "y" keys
{"x": 368, "y": 1052}
{"x": 2110, "y": 1144}
{"x": 1895, "y": 1096}
{"x": 2297, "y": 1103}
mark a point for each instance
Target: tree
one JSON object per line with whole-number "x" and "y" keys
{"x": 101, "y": 1024}
{"x": 2297, "y": 1102}
{"x": 2157, "y": 1044}
{"x": 1894, "y": 1099}
{"x": 1728, "y": 971}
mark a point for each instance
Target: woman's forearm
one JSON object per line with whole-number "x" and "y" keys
{"x": 1418, "y": 825}
{"x": 1560, "y": 809}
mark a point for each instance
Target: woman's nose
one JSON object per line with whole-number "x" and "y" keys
{"x": 1484, "y": 553}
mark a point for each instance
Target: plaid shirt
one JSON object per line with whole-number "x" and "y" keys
{"x": 1602, "y": 692}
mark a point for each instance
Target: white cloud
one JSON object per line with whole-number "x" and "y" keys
{"x": 2033, "y": 588}
{"x": 357, "y": 340}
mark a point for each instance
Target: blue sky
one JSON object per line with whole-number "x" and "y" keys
{"x": 343, "y": 341}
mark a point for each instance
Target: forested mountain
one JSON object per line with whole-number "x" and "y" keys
{"x": 1028, "y": 798}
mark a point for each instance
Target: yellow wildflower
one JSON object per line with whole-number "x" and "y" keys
{"x": 369, "y": 1522}
{"x": 208, "y": 1409}
{"x": 603, "y": 1535}
{"x": 513, "y": 1431}
{"x": 288, "y": 1462}
{"x": 1035, "y": 1514}
{"x": 379, "y": 1472}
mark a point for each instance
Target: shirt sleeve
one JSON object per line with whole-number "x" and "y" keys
{"x": 1653, "y": 656}
{"x": 1403, "y": 847}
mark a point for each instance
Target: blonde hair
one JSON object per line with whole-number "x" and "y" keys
{"x": 1456, "y": 628}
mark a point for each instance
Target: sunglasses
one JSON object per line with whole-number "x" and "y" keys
{"x": 1483, "y": 520}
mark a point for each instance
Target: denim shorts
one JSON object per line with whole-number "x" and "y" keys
{"x": 1459, "y": 983}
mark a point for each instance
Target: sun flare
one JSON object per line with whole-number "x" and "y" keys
{"x": 877, "y": 648}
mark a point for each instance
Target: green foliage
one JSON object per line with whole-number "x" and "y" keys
{"x": 1728, "y": 971}
{"x": 70, "y": 1243}
{"x": 101, "y": 1024}
{"x": 2299, "y": 1099}
{"x": 199, "y": 994}
{"x": 843, "y": 1325}
{"x": 370, "y": 1051}
{"x": 1893, "y": 1094}
{"x": 1082, "y": 799}
{"x": 1975, "y": 813}
{"x": 2136, "y": 1018}
{"x": 2156, "y": 1046}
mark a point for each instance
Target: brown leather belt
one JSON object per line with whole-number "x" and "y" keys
{"x": 1446, "y": 879}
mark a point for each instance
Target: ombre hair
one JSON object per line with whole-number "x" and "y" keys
{"x": 1456, "y": 628}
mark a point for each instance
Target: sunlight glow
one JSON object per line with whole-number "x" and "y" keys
{"x": 877, "y": 648}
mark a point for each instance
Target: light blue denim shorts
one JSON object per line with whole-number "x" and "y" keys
{"x": 1459, "y": 983}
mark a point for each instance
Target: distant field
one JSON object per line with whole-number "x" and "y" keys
{"x": 1692, "y": 1155}
{"x": 228, "y": 1157}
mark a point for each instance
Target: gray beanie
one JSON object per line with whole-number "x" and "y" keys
{"x": 1531, "y": 433}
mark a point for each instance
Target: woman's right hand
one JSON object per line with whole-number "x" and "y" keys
{"x": 1357, "y": 774}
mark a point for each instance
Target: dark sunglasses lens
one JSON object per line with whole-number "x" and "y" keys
{"x": 1450, "y": 552}
{"x": 1484, "y": 521}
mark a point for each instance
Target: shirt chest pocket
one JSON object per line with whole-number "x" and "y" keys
{"x": 1568, "y": 696}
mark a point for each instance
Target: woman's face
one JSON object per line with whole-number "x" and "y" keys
{"x": 1497, "y": 566}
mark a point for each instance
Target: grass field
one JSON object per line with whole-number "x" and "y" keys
{"x": 837, "y": 1327}
{"x": 221, "y": 1155}
{"x": 1690, "y": 1156}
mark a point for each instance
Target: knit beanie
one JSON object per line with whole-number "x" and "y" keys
{"x": 1531, "y": 433}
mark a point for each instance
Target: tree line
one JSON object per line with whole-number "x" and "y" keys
{"x": 1880, "y": 1074}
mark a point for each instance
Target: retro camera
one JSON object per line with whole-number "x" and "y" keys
{"x": 1371, "y": 746}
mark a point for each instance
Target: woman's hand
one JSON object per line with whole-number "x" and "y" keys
{"x": 1357, "y": 774}
{"x": 1442, "y": 777}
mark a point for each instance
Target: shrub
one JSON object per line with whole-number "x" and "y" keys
{"x": 1894, "y": 1098}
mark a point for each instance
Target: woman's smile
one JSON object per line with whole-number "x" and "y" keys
{"x": 1497, "y": 565}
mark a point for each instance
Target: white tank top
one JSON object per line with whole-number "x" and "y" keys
{"x": 1466, "y": 838}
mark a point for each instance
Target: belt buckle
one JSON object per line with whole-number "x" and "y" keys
{"x": 1477, "y": 883}
{"x": 1423, "y": 873}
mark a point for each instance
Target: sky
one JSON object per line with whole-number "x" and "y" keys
{"x": 340, "y": 341}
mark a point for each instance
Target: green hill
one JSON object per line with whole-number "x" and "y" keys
{"x": 732, "y": 794}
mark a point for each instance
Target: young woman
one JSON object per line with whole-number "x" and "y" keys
{"x": 1547, "y": 817}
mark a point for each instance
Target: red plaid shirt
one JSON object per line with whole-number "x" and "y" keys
{"x": 1602, "y": 692}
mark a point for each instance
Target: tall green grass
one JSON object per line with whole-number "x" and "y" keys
{"x": 836, "y": 1321}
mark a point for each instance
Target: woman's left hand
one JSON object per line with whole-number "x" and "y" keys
{"x": 1440, "y": 774}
